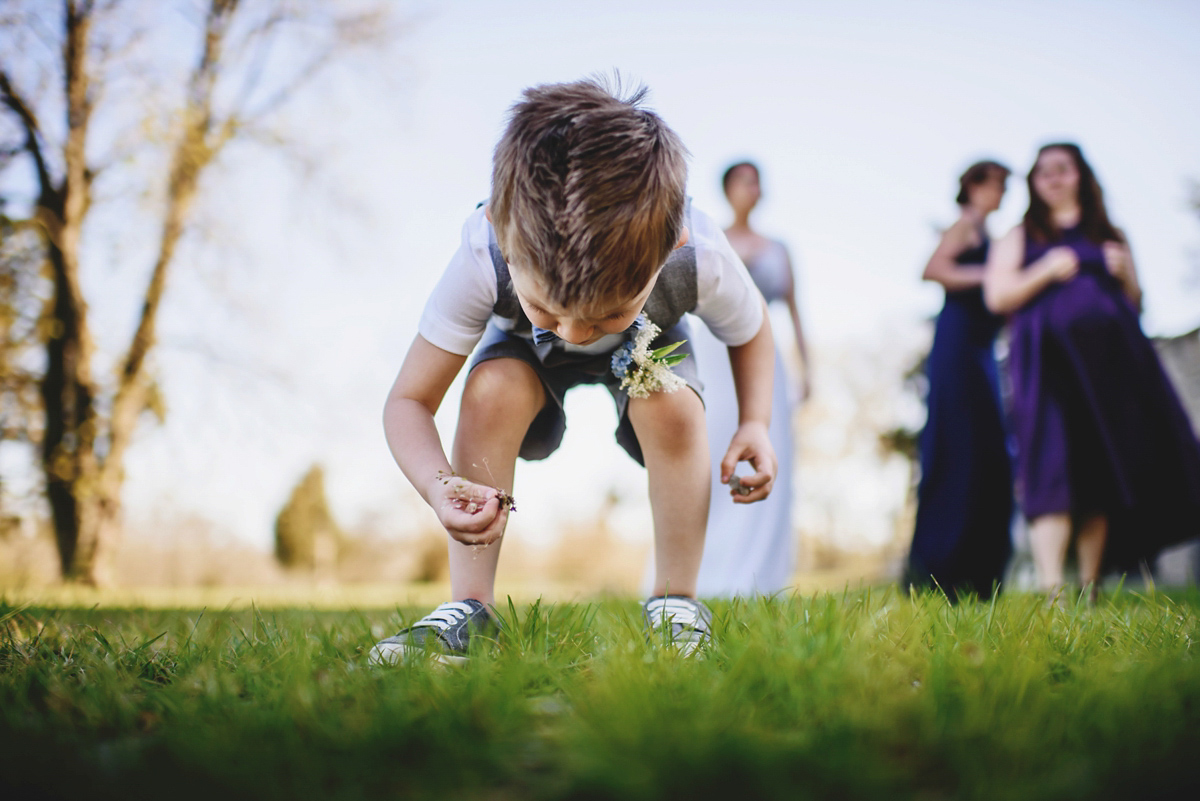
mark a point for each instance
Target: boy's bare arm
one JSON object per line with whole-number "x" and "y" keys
{"x": 472, "y": 513}
{"x": 753, "y": 366}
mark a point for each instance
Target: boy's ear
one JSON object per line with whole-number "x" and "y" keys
{"x": 683, "y": 237}
{"x": 487, "y": 212}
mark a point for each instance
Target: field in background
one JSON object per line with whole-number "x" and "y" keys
{"x": 867, "y": 694}
{"x": 301, "y": 592}
{"x": 187, "y": 565}
{"x": 304, "y": 595}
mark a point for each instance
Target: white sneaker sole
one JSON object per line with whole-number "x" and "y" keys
{"x": 687, "y": 649}
{"x": 684, "y": 648}
{"x": 389, "y": 653}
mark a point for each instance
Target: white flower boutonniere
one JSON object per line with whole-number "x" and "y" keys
{"x": 642, "y": 370}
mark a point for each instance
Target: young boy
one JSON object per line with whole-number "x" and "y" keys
{"x": 586, "y": 240}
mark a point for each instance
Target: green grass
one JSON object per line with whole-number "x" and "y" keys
{"x": 868, "y": 694}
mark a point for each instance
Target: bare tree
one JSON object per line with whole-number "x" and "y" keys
{"x": 231, "y": 91}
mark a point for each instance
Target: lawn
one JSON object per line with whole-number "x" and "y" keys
{"x": 866, "y": 694}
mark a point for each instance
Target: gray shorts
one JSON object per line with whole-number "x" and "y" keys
{"x": 561, "y": 371}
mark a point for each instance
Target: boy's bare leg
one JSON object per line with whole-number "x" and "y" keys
{"x": 1089, "y": 547}
{"x": 1048, "y": 539}
{"x": 500, "y": 400}
{"x": 670, "y": 428}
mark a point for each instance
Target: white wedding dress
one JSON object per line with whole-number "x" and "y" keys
{"x": 749, "y": 548}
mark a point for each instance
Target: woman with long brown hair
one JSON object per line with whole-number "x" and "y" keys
{"x": 1104, "y": 448}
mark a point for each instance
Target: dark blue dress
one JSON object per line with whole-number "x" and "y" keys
{"x": 1098, "y": 426}
{"x": 965, "y": 497}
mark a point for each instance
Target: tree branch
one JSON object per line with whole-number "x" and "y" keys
{"x": 351, "y": 30}
{"x": 201, "y": 139}
{"x": 29, "y": 124}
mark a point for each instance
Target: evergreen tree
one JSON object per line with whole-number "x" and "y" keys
{"x": 306, "y": 535}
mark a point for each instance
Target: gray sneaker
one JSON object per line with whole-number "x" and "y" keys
{"x": 443, "y": 634}
{"x": 677, "y": 621}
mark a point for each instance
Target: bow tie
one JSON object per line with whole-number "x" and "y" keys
{"x": 544, "y": 336}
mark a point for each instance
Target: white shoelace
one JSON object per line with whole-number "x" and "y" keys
{"x": 445, "y": 616}
{"x": 679, "y": 611}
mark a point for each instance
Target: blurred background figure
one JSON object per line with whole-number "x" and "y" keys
{"x": 1103, "y": 445}
{"x": 962, "y": 537}
{"x": 751, "y": 548}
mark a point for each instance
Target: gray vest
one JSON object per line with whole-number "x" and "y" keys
{"x": 673, "y": 295}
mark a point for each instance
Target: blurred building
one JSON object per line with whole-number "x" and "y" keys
{"x": 1181, "y": 357}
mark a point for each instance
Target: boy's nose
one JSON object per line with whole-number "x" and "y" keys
{"x": 573, "y": 331}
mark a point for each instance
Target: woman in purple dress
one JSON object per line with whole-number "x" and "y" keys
{"x": 964, "y": 502}
{"x": 1104, "y": 448}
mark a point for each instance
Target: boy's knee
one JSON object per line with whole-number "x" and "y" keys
{"x": 505, "y": 385}
{"x": 674, "y": 420}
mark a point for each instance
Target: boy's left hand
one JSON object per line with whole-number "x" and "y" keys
{"x": 751, "y": 443}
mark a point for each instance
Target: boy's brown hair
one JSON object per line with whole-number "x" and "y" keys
{"x": 588, "y": 191}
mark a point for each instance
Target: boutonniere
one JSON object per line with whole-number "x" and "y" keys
{"x": 642, "y": 370}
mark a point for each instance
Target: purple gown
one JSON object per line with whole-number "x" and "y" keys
{"x": 1098, "y": 427}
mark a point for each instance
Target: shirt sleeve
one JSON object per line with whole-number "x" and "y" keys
{"x": 726, "y": 298}
{"x": 457, "y": 312}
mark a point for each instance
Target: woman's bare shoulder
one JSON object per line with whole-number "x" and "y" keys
{"x": 1016, "y": 233}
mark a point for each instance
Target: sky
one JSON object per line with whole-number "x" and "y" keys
{"x": 285, "y": 326}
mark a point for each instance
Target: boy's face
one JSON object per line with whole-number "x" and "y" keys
{"x": 579, "y": 326}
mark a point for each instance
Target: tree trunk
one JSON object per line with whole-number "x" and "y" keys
{"x": 86, "y": 526}
{"x": 68, "y": 391}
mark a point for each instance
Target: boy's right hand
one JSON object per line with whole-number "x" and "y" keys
{"x": 471, "y": 513}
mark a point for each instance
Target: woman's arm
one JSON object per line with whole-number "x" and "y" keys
{"x": 801, "y": 343}
{"x": 1007, "y": 286}
{"x": 943, "y": 269}
{"x": 1119, "y": 259}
